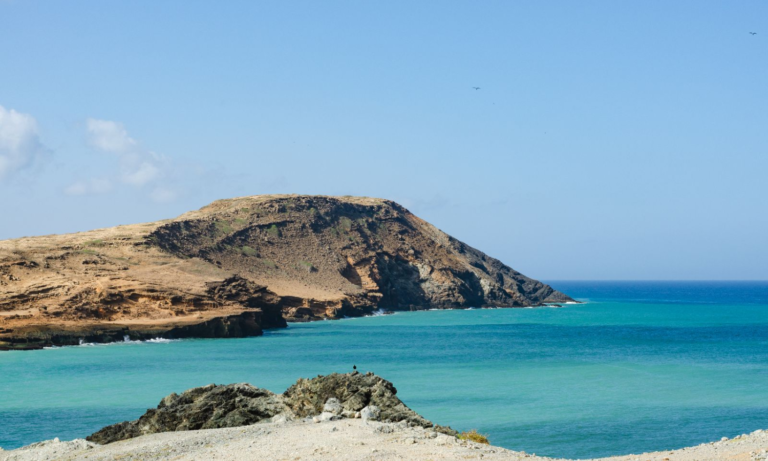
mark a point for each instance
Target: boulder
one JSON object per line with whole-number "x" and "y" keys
{"x": 333, "y": 406}
{"x": 371, "y": 412}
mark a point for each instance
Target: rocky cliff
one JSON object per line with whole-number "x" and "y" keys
{"x": 238, "y": 266}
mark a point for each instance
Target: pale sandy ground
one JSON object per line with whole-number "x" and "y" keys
{"x": 349, "y": 439}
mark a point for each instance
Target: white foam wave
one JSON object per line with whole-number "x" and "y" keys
{"x": 126, "y": 340}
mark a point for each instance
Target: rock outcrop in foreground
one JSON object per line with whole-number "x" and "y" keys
{"x": 336, "y": 417}
{"x": 238, "y": 266}
{"x": 325, "y": 398}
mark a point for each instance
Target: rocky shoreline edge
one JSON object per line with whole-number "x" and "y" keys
{"x": 338, "y": 416}
{"x": 241, "y": 325}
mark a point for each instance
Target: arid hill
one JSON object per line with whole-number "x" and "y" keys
{"x": 240, "y": 265}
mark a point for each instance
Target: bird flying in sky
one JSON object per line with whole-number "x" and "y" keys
{"x": 753, "y": 33}
{"x": 476, "y": 87}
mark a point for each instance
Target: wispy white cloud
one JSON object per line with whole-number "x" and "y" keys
{"x": 163, "y": 195}
{"x": 109, "y": 136}
{"x": 90, "y": 187}
{"x": 139, "y": 167}
{"x": 142, "y": 173}
{"x": 20, "y": 144}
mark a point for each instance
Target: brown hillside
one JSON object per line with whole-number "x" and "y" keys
{"x": 239, "y": 265}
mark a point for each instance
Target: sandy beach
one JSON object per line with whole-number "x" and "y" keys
{"x": 349, "y": 439}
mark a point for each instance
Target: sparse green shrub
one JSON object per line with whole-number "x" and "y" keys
{"x": 88, "y": 251}
{"x": 94, "y": 243}
{"x": 474, "y": 436}
{"x": 308, "y": 266}
{"x": 269, "y": 264}
{"x": 223, "y": 227}
{"x": 241, "y": 221}
{"x": 379, "y": 230}
{"x": 248, "y": 251}
{"x": 345, "y": 223}
{"x": 273, "y": 230}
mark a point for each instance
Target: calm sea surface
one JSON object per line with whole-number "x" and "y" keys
{"x": 640, "y": 366}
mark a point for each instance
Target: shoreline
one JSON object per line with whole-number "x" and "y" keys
{"x": 348, "y": 439}
{"x": 231, "y": 326}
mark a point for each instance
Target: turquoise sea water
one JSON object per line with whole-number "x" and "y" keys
{"x": 640, "y": 366}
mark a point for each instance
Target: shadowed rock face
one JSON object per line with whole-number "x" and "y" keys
{"x": 238, "y": 266}
{"x": 233, "y": 405}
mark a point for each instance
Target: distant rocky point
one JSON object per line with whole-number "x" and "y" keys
{"x": 238, "y": 266}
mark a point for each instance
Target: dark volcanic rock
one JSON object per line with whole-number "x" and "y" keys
{"x": 233, "y": 405}
{"x": 206, "y": 407}
{"x": 233, "y": 326}
{"x": 242, "y": 291}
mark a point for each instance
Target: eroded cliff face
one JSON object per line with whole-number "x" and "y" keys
{"x": 298, "y": 258}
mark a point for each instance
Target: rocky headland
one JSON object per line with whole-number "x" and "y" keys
{"x": 238, "y": 266}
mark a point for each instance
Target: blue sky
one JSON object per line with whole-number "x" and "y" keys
{"x": 609, "y": 140}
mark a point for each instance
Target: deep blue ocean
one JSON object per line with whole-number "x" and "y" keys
{"x": 640, "y": 366}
